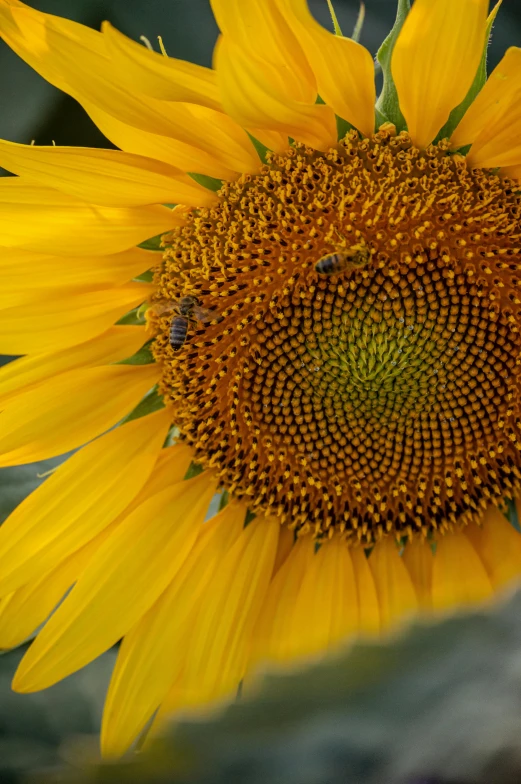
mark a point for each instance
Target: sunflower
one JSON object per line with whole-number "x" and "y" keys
{"x": 327, "y": 341}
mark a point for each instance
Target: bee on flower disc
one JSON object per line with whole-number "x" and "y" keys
{"x": 351, "y": 258}
{"x": 186, "y": 310}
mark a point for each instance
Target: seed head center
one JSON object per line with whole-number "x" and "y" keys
{"x": 354, "y": 364}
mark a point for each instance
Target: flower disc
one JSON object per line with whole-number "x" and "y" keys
{"x": 380, "y": 398}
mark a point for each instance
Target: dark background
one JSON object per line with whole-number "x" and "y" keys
{"x": 42, "y": 730}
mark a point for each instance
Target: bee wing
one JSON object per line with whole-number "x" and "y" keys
{"x": 161, "y": 307}
{"x": 205, "y": 315}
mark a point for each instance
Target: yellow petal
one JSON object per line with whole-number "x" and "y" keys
{"x": 312, "y": 604}
{"x": 165, "y": 78}
{"x": 418, "y": 559}
{"x": 500, "y": 93}
{"x": 129, "y": 572}
{"x": 396, "y": 594}
{"x": 260, "y": 30}
{"x": 458, "y": 575}
{"x": 512, "y": 172}
{"x": 79, "y": 500}
{"x": 217, "y": 648}
{"x": 498, "y": 545}
{"x": 273, "y": 637}
{"x": 57, "y": 319}
{"x": 499, "y": 143}
{"x": 33, "y": 217}
{"x": 65, "y": 412}
{"x": 326, "y": 608}
{"x": 368, "y": 606}
{"x": 435, "y": 60}
{"x": 254, "y": 94}
{"x": 75, "y": 59}
{"x": 107, "y": 177}
{"x": 152, "y": 654}
{"x": 344, "y": 70}
{"x": 25, "y": 274}
{"x": 30, "y": 606}
{"x": 186, "y": 157}
{"x": 115, "y": 344}
{"x": 285, "y": 546}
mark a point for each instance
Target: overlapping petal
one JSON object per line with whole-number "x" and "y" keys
{"x": 27, "y": 274}
{"x": 343, "y": 69}
{"x": 129, "y": 572}
{"x": 498, "y": 545}
{"x": 418, "y": 558}
{"x": 158, "y": 76}
{"x": 64, "y": 317}
{"x": 500, "y": 94}
{"x": 128, "y": 180}
{"x": 67, "y": 411}
{"x": 38, "y": 218}
{"x": 253, "y": 93}
{"x": 78, "y": 500}
{"x": 459, "y": 577}
{"x": 435, "y": 60}
{"x": 28, "y": 607}
{"x": 217, "y": 647}
{"x": 115, "y": 344}
{"x": 396, "y": 595}
{"x": 153, "y": 652}
{"x": 75, "y": 59}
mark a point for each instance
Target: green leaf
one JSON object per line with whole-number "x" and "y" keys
{"x": 437, "y": 703}
{"x": 194, "y": 469}
{"x": 225, "y": 499}
{"x": 512, "y": 515}
{"x": 134, "y": 317}
{"x": 145, "y": 277}
{"x": 479, "y": 80}
{"x": 211, "y": 183}
{"x": 388, "y": 104}
{"x": 261, "y": 148}
{"x": 154, "y": 243}
{"x": 142, "y": 357}
{"x": 342, "y": 127}
{"x": 152, "y": 401}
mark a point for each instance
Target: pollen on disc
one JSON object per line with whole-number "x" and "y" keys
{"x": 380, "y": 399}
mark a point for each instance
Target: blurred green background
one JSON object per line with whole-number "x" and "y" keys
{"x": 46, "y": 729}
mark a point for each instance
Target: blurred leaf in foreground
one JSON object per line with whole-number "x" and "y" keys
{"x": 439, "y": 704}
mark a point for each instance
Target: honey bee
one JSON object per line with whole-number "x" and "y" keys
{"x": 187, "y": 310}
{"x": 351, "y": 258}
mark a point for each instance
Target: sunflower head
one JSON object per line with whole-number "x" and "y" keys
{"x": 323, "y": 348}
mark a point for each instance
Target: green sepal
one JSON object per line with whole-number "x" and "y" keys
{"x": 388, "y": 104}
{"x": 342, "y": 127}
{"x": 357, "y": 31}
{"x": 133, "y": 318}
{"x": 260, "y": 148}
{"x": 145, "y": 277}
{"x": 194, "y": 469}
{"x": 142, "y": 357}
{"x": 457, "y": 113}
{"x": 154, "y": 243}
{"x": 224, "y": 500}
{"x": 153, "y": 401}
{"x": 211, "y": 183}
{"x": 512, "y": 515}
{"x": 250, "y": 516}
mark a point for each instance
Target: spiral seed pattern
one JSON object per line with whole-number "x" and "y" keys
{"x": 384, "y": 398}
